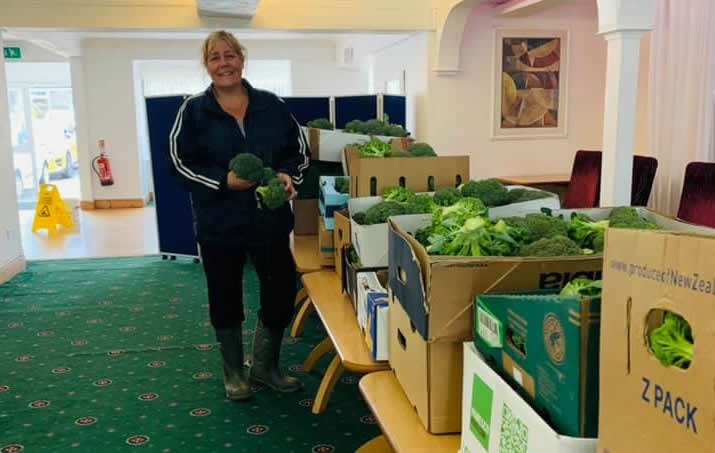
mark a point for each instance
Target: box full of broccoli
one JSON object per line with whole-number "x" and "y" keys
{"x": 545, "y": 344}
{"x": 657, "y": 367}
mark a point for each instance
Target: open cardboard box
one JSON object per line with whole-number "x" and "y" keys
{"x": 370, "y": 241}
{"x": 329, "y": 144}
{"x": 438, "y": 291}
{"x": 370, "y": 177}
{"x": 496, "y": 419}
{"x": 644, "y": 405}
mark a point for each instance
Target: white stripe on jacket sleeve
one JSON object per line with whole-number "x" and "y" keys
{"x": 302, "y": 149}
{"x": 180, "y": 167}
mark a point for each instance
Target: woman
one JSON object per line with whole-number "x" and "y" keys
{"x": 232, "y": 117}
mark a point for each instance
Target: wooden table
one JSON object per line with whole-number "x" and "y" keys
{"x": 398, "y": 419}
{"x": 533, "y": 180}
{"x": 344, "y": 335}
{"x": 307, "y": 260}
{"x": 557, "y": 183}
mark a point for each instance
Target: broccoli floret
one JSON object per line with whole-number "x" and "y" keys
{"x": 598, "y": 243}
{"x": 359, "y": 218}
{"x": 582, "y": 287}
{"x": 490, "y": 191}
{"x": 628, "y": 217}
{"x": 374, "y": 127}
{"x": 375, "y": 148}
{"x": 585, "y": 231}
{"x": 459, "y": 212}
{"x": 398, "y": 193}
{"x": 422, "y": 235}
{"x": 321, "y": 123}
{"x": 268, "y": 174}
{"x": 248, "y": 167}
{"x": 381, "y": 211}
{"x": 342, "y": 184}
{"x": 672, "y": 342}
{"x": 419, "y": 204}
{"x": 536, "y": 226}
{"x": 421, "y": 149}
{"x": 272, "y": 195}
{"x": 354, "y": 127}
{"x": 447, "y": 196}
{"x": 519, "y": 195}
{"x": 551, "y": 246}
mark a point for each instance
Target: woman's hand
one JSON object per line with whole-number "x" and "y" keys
{"x": 288, "y": 181}
{"x": 233, "y": 182}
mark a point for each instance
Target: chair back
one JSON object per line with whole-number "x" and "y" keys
{"x": 697, "y": 200}
{"x": 585, "y": 183}
{"x": 644, "y": 168}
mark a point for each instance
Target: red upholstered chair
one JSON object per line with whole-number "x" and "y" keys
{"x": 585, "y": 183}
{"x": 644, "y": 169}
{"x": 697, "y": 200}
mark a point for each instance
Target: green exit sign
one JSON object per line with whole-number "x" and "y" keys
{"x": 12, "y": 53}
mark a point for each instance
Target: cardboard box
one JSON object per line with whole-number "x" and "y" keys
{"x": 645, "y": 406}
{"x": 496, "y": 419}
{"x": 546, "y": 346}
{"x": 377, "y": 327}
{"x": 370, "y": 177}
{"x": 371, "y": 242}
{"x": 352, "y": 272}
{"x": 421, "y": 279}
{"x": 326, "y": 249}
{"x": 341, "y": 238}
{"x": 430, "y": 373}
{"x": 306, "y": 216}
{"x": 328, "y": 145}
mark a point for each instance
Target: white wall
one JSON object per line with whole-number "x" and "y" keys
{"x": 10, "y": 243}
{"x": 34, "y": 53}
{"x": 460, "y": 106}
{"x": 409, "y": 57}
{"x": 109, "y": 73}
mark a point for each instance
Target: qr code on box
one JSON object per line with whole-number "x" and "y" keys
{"x": 514, "y": 434}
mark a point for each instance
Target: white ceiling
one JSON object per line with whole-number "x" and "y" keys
{"x": 68, "y": 42}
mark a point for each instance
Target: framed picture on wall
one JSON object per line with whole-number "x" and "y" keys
{"x": 530, "y": 84}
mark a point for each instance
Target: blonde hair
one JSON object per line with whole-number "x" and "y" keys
{"x": 228, "y": 38}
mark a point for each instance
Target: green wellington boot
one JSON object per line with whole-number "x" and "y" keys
{"x": 266, "y": 352}
{"x": 235, "y": 383}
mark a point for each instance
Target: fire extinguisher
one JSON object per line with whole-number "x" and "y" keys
{"x": 101, "y": 167}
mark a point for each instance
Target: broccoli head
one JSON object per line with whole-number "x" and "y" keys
{"x": 354, "y": 127}
{"x": 421, "y": 149}
{"x": 398, "y": 193}
{"x": 520, "y": 194}
{"x": 359, "y": 218}
{"x": 375, "y": 148}
{"x": 582, "y": 287}
{"x": 419, "y": 204}
{"x": 268, "y": 174}
{"x": 628, "y": 217}
{"x": 585, "y": 231}
{"x": 395, "y": 130}
{"x": 551, "y": 246}
{"x": 272, "y": 195}
{"x": 381, "y": 211}
{"x": 447, "y": 196}
{"x": 321, "y": 123}
{"x": 672, "y": 343}
{"x": 248, "y": 167}
{"x": 342, "y": 184}
{"x": 463, "y": 209}
{"x": 490, "y": 191}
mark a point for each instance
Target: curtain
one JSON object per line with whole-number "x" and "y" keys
{"x": 681, "y": 94}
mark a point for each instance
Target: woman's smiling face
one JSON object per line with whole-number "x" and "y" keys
{"x": 224, "y": 65}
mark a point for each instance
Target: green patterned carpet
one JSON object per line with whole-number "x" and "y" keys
{"x": 114, "y": 355}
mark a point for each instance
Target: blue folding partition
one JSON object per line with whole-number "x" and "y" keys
{"x": 395, "y": 108}
{"x": 306, "y": 109}
{"x": 348, "y": 108}
{"x": 174, "y": 213}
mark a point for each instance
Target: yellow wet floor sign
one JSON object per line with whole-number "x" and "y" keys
{"x": 51, "y": 210}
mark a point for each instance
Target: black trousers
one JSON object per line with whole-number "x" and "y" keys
{"x": 276, "y": 271}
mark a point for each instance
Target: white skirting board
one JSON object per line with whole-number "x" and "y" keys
{"x": 12, "y": 268}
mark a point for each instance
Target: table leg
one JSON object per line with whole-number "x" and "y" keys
{"x": 319, "y": 351}
{"x": 378, "y": 444}
{"x": 332, "y": 374}
{"x": 301, "y": 317}
{"x": 301, "y": 296}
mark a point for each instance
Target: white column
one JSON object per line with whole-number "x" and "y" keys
{"x": 85, "y": 150}
{"x": 619, "y": 116}
{"x": 622, "y": 23}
